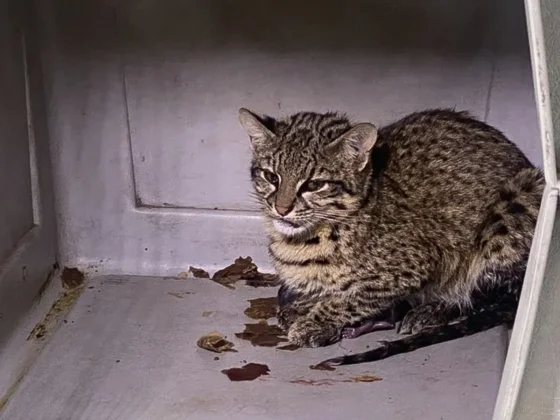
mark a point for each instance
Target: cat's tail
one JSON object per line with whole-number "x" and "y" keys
{"x": 508, "y": 230}
{"x": 473, "y": 323}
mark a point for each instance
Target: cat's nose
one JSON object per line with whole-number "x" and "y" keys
{"x": 282, "y": 210}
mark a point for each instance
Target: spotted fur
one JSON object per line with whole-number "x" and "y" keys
{"x": 425, "y": 210}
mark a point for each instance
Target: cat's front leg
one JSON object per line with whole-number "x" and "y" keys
{"x": 288, "y": 314}
{"x": 324, "y": 322}
{"x": 292, "y": 304}
{"x": 363, "y": 299}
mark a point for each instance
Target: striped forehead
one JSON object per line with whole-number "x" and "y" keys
{"x": 299, "y": 146}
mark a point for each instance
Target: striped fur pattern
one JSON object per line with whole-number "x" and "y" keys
{"x": 425, "y": 210}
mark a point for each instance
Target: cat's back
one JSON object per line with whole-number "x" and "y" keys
{"x": 442, "y": 158}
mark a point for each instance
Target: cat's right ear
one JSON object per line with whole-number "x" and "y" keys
{"x": 257, "y": 131}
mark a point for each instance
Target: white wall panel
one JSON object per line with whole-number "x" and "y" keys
{"x": 151, "y": 164}
{"x": 16, "y": 206}
{"x": 27, "y": 219}
{"x": 186, "y": 78}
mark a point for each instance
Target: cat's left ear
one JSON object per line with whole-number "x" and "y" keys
{"x": 255, "y": 128}
{"x": 356, "y": 144}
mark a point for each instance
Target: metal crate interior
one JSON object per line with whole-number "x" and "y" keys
{"x": 121, "y": 157}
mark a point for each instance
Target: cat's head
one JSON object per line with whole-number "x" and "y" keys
{"x": 308, "y": 169}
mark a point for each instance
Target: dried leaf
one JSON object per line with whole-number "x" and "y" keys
{"x": 248, "y": 372}
{"x": 199, "y": 273}
{"x": 244, "y": 269}
{"x": 262, "y": 334}
{"x": 215, "y": 342}
{"x": 262, "y": 308}
{"x": 72, "y": 278}
{"x": 207, "y": 313}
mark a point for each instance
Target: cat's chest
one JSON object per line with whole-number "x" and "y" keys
{"x": 317, "y": 264}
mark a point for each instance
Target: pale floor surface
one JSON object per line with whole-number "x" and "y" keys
{"x": 128, "y": 352}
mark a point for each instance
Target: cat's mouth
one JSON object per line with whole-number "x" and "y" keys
{"x": 290, "y": 223}
{"x": 288, "y": 228}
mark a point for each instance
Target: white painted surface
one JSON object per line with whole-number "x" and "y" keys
{"x": 128, "y": 351}
{"x": 550, "y": 44}
{"x": 517, "y": 399}
{"x": 543, "y": 33}
{"x": 142, "y": 103}
{"x": 530, "y": 388}
{"x": 16, "y": 214}
{"x": 144, "y": 98}
{"x": 27, "y": 219}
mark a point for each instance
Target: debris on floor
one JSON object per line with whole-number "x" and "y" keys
{"x": 215, "y": 342}
{"x": 58, "y": 309}
{"x": 262, "y": 308}
{"x": 321, "y": 367}
{"x": 366, "y": 378}
{"x": 179, "y": 295}
{"x": 262, "y": 334}
{"x": 206, "y": 314}
{"x": 248, "y": 372}
{"x": 72, "y": 278}
{"x": 317, "y": 382}
{"x": 323, "y": 382}
{"x": 244, "y": 269}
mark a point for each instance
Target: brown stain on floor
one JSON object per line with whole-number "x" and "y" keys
{"x": 59, "y": 308}
{"x": 248, "y": 372}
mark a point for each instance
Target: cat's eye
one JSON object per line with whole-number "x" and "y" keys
{"x": 271, "y": 177}
{"x": 311, "y": 186}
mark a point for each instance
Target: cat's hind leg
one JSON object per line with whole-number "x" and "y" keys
{"x": 386, "y": 321}
{"x": 427, "y": 315}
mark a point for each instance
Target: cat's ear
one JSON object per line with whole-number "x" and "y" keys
{"x": 255, "y": 128}
{"x": 356, "y": 144}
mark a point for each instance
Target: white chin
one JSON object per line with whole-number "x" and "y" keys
{"x": 287, "y": 229}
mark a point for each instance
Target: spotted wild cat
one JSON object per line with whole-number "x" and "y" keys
{"x": 436, "y": 210}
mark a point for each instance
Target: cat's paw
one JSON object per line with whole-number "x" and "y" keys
{"x": 286, "y": 316}
{"x": 423, "y": 316}
{"x": 306, "y": 333}
{"x": 366, "y": 327}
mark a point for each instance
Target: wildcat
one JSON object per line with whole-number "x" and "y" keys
{"x": 436, "y": 210}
